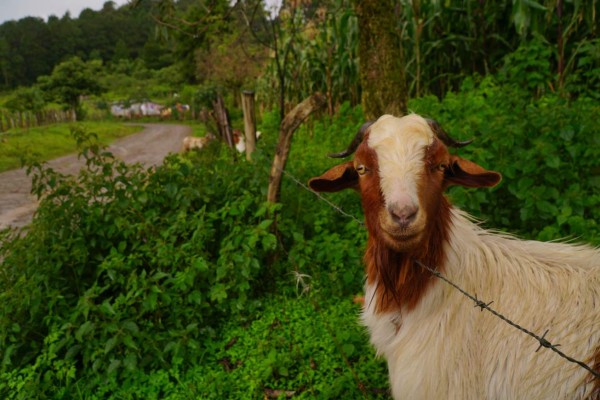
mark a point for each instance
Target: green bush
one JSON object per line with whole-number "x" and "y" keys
{"x": 169, "y": 282}
{"x": 312, "y": 347}
{"x": 547, "y": 151}
{"x": 126, "y": 268}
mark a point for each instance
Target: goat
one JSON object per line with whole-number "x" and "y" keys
{"x": 239, "y": 140}
{"x": 436, "y": 344}
{"x": 191, "y": 142}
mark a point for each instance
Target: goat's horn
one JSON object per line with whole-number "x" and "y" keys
{"x": 355, "y": 142}
{"x": 441, "y": 134}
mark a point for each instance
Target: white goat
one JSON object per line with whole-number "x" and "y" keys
{"x": 240, "y": 140}
{"x": 437, "y": 345}
{"x": 191, "y": 142}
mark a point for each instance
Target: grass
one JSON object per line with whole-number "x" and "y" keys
{"x": 52, "y": 141}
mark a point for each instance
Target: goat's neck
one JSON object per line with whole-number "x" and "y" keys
{"x": 400, "y": 282}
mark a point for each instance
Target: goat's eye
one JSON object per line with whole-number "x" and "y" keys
{"x": 361, "y": 169}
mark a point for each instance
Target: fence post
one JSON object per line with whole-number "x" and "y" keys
{"x": 290, "y": 123}
{"x": 249, "y": 122}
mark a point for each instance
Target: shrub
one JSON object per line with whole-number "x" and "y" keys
{"x": 547, "y": 150}
{"x": 169, "y": 283}
{"x": 125, "y": 268}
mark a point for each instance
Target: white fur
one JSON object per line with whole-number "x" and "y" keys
{"x": 447, "y": 349}
{"x": 191, "y": 142}
{"x": 399, "y": 144}
{"x": 240, "y": 146}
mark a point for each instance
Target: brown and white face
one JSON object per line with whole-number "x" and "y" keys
{"x": 401, "y": 168}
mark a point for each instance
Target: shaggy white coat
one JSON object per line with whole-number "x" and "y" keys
{"x": 446, "y": 348}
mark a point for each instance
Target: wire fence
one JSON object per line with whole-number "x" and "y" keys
{"x": 478, "y": 303}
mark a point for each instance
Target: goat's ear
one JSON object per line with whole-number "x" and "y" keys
{"x": 467, "y": 173}
{"x": 340, "y": 177}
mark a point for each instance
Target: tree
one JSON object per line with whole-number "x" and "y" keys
{"x": 279, "y": 35}
{"x": 191, "y": 25}
{"x": 26, "y": 99}
{"x": 381, "y": 62}
{"x": 72, "y": 79}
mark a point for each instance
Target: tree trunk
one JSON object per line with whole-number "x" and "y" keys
{"x": 249, "y": 122}
{"x": 290, "y": 123}
{"x": 222, "y": 118}
{"x": 381, "y": 62}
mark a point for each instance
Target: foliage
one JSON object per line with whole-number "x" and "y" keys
{"x": 529, "y": 66}
{"x": 312, "y": 46}
{"x": 584, "y": 70}
{"x": 233, "y": 62}
{"x": 31, "y": 47}
{"x": 125, "y": 268}
{"x": 547, "y": 150}
{"x": 279, "y": 352}
{"x": 448, "y": 41}
{"x": 72, "y": 79}
{"x": 169, "y": 283}
{"x": 48, "y": 142}
{"x": 26, "y": 99}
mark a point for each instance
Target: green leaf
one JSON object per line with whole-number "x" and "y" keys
{"x": 535, "y": 4}
{"x": 106, "y": 308}
{"x": 110, "y": 344}
{"x": 265, "y": 224}
{"x": 200, "y": 264}
{"x": 84, "y": 329}
{"x": 130, "y": 362}
{"x": 113, "y": 366}
{"x": 130, "y": 326}
{"x": 553, "y": 161}
{"x": 218, "y": 293}
{"x": 129, "y": 342}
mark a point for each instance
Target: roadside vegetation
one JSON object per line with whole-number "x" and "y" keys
{"x": 52, "y": 141}
{"x": 181, "y": 282}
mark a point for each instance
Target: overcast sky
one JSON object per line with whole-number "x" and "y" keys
{"x": 17, "y": 9}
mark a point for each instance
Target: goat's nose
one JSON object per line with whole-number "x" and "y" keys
{"x": 403, "y": 214}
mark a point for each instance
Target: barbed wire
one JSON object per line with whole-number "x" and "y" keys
{"x": 486, "y": 306}
{"x": 332, "y": 205}
{"x": 478, "y": 303}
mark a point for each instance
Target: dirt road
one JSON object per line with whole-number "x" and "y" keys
{"x": 148, "y": 147}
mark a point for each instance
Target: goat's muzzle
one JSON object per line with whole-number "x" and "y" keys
{"x": 402, "y": 224}
{"x": 403, "y": 214}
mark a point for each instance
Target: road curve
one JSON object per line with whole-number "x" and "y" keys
{"x": 148, "y": 147}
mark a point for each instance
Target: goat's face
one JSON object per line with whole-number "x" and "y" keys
{"x": 401, "y": 168}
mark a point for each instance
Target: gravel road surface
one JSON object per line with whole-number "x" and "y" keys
{"x": 148, "y": 147}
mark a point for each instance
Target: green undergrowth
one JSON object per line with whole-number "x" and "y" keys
{"x": 548, "y": 151}
{"x": 294, "y": 346}
{"x": 178, "y": 281}
{"x": 47, "y": 142}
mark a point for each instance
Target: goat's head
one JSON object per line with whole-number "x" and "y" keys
{"x": 401, "y": 168}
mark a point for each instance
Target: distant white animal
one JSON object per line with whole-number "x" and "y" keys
{"x": 191, "y": 142}
{"x": 239, "y": 140}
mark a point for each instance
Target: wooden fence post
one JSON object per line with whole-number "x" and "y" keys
{"x": 290, "y": 123}
{"x": 249, "y": 122}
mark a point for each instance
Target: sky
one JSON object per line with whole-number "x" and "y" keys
{"x": 17, "y": 9}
